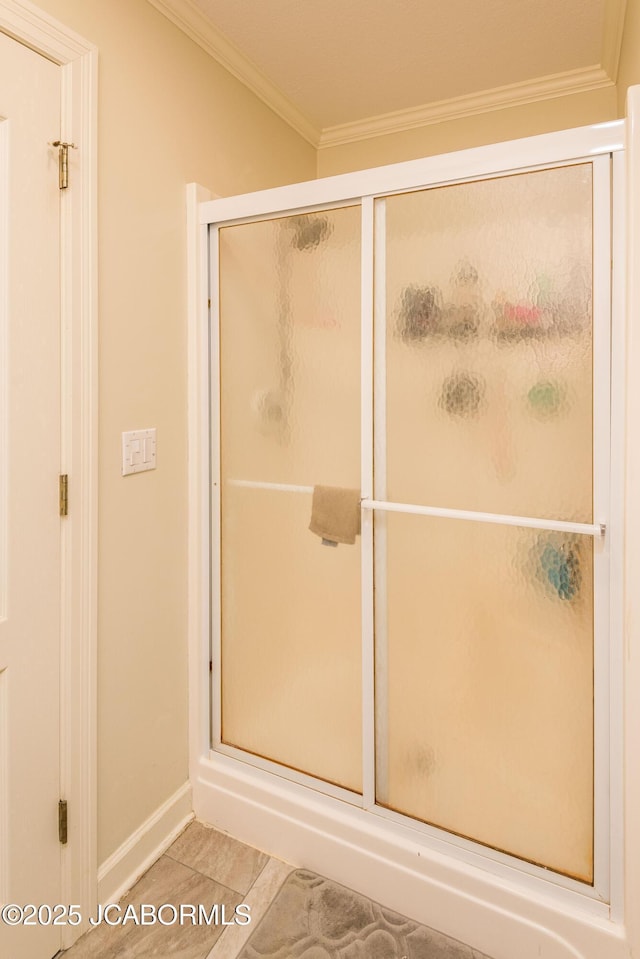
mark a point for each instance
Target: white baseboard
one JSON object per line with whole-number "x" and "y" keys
{"x": 344, "y": 843}
{"x": 123, "y": 868}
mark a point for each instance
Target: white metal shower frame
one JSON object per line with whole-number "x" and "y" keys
{"x": 591, "y": 144}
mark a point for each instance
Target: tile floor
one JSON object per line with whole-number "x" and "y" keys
{"x": 203, "y": 866}
{"x": 206, "y": 867}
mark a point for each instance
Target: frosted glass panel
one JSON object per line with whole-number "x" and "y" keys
{"x": 489, "y": 345}
{"x": 485, "y": 715}
{"x": 290, "y": 414}
{"x": 290, "y": 349}
{"x": 291, "y": 670}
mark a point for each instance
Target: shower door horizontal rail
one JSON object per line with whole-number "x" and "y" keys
{"x": 500, "y": 519}
{"x": 280, "y": 487}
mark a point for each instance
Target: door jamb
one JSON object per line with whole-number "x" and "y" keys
{"x": 78, "y": 454}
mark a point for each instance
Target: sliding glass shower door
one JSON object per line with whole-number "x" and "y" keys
{"x": 444, "y": 351}
{"x": 484, "y": 702}
{"x": 290, "y": 420}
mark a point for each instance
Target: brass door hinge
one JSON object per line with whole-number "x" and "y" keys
{"x": 62, "y": 821}
{"x": 63, "y": 162}
{"x": 64, "y": 494}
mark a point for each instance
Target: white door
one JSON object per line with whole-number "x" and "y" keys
{"x": 30, "y": 852}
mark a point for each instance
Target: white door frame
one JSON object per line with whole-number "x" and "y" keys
{"x": 78, "y": 404}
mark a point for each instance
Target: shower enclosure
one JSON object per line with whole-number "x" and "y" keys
{"x": 437, "y": 336}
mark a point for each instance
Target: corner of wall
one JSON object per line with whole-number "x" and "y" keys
{"x": 123, "y": 868}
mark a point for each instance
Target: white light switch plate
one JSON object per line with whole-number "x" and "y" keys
{"x": 138, "y": 451}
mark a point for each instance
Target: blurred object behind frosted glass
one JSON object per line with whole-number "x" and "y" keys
{"x": 489, "y": 345}
{"x": 290, "y": 413}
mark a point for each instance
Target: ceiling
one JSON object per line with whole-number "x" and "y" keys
{"x": 339, "y": 70}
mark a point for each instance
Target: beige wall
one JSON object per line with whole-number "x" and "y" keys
{"x": 629, "y": 70}
{"x": 561, "y": 113}
{"x": 168, "y": 115}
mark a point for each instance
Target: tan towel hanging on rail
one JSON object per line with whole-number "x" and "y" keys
{"x": 335, "y": 514}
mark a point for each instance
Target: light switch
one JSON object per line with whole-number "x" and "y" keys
{"x": 138, "y": 451}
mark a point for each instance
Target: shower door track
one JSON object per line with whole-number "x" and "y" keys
{"x": 587, "y": 145}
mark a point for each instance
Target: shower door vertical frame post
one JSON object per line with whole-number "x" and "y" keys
{"x": 601, "y": 325}
{"x": 215, "y": 614}
{"x": 616, "y": 537}
{"x": 366, "y": 490}
{"x": 203, "y": 465}
{"x": 629, "y": 565}
{"x": 380, "y": 493}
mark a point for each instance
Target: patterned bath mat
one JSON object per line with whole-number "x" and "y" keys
{"x": 315, "y": 918}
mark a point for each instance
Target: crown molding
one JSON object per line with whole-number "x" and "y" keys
{"x": 186, "y": 15}
{"x": 499, "y": 98}
{"x": 613, "y": 27}
{"x": 190, "y": 19}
